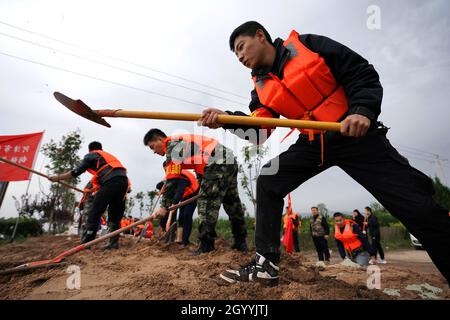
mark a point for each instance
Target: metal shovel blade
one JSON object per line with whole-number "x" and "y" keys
{"x": 80, "y": 108}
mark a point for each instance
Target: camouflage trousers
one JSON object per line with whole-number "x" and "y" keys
{"x": 219, "y": 186}
{"x": 85, "y": 212}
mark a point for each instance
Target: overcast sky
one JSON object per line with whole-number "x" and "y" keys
{"x": 189, "y": 39}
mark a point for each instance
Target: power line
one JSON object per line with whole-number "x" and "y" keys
{"x": 122, "y": 60}
{"x": 416, "y": 153}
{"x": 119, "y": 68}
{"x": 423, "y": 159}
{"x": 101, "y": 79}
{"x": 416, "y": 150}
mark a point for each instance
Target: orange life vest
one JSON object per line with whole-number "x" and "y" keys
{"x": 193, "y": 183}
{"x": 125, "y": 222}
{"x": 199, "y": 159}
{"x": 308, "y": 90}
{"x": 348, "y": 238}
{"x": 94, "y": 186}
{"x": 148, "y": 233}
{"x": 111, "y": 164}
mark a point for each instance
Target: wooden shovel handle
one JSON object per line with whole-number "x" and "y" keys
{"x": 224, "y": 119}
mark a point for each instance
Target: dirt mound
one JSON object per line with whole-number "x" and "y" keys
{"x": 151, "y": 270}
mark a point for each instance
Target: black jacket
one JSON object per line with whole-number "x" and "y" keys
{"x": 359, "y": 79}
{"x": 373, "y": 226}
{"x": 359, "y": 219}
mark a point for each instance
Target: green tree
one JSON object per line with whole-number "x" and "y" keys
{"x": 385, "y": 218}
{"x": 57, "y": 206}
{"x": 250, "y": 170}
{"x": 140, "y": 199}
{"x": 130, "y": 202}
{"x": 323, "y": 210}
{"x": 442, "y": 193}
{"x": 145, "y": 201}
{"x": 151, "y": 195}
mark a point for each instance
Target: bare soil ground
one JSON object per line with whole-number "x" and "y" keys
{"x": 152, "y": 270}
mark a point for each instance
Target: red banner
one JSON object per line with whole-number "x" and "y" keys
{"x": 288, "y": 237}
{"x": 20, "y": 149}
{"x": 290, "y": 204}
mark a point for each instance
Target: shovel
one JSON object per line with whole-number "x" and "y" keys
{"x": 80, "y": 108}
{"x": 39, "y": 173}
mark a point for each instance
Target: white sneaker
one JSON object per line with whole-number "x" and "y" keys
{"x": 320, "y": 265}
{"x": 371, "y": 262}
{"x": 381, "y": 261}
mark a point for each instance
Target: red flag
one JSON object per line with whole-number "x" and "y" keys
{"x": 290, "y": 204}
{"x": 20, "y": 149}
{"x": 288, "y": 237}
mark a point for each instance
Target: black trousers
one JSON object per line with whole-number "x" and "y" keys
{"x": 375, "y": 164}
{"x": 185, "y": 218}
{"x": 296, "y": 243}
{"x": 321, "y": 245}
{"x": 111, "y": 196}
{"x": 376, "y": 246}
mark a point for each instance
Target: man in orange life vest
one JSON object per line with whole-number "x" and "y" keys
{"x": 111, "y": 176}
{"x": 216, "y": 168}
{"x": 181, "y": 186}
{"x": 313, "y": 77}
{"x": 351, "y": 242}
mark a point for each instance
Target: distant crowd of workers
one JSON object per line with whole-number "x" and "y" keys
{"x": 357, "y": 239}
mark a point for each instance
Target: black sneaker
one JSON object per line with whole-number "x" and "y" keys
{"x": 260, "y": 269}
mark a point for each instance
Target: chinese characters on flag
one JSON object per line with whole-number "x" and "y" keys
{"x": 20, "y": 149}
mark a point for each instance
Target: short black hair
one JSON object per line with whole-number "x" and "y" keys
{"x": 152, "y": 134}
{"x": 338, "y": 214}
{"x": 248, "y": 28}
{"x": 95, "y": 145}
{"x": 314, "y": 208}
{"x": 369, "y": 209}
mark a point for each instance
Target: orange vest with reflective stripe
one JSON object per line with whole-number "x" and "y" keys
{"x": 193, "y": 183}
{"x": 348, "y": 238}
{"x": 199, "y": 160}
{"x": 308, "y": 90}
{"x": 111, "y": 164}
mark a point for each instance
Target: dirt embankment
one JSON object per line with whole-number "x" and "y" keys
{"x": 155, "y": 271}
